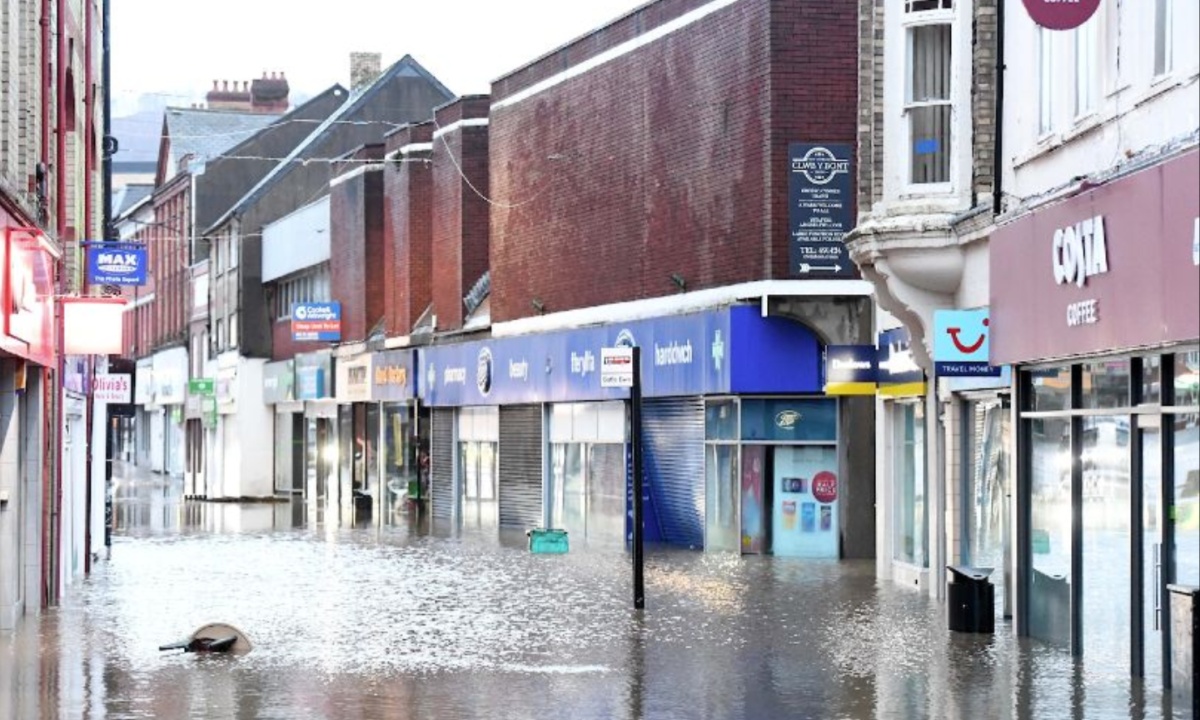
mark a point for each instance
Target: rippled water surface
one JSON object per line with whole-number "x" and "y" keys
{"x": 392, "y": 623}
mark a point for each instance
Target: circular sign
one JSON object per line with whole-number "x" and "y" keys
{"x": 824, "y": 486}
{"x": 1061, "y": 14}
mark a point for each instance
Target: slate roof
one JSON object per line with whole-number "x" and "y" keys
{"x": 204, "y": 134}
{"x": 127, "y": 196}
{"x": 406, "y": 66}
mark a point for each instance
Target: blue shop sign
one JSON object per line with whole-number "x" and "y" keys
{"x": 112, "y": 263}
{"x": 851, "y": 369}
{"x": 712, "y": 352}
{"x": 312, "y": 375}
{"x": 899, "y": 374}
{"x": 961, "y": 343}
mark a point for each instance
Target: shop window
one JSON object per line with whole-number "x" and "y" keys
{"x": 1106, "y": 384}
{"x": 928, "y": 103}
{"x": 910, "y": 484}
{"x": 1186, "y": 427}
{"x": 721, "y": 420}
{"x": 1051, "y": 389}
{"x": 987, "y": 535}
{"x": 789, "y": 420}
{"x": 587, "y": 470}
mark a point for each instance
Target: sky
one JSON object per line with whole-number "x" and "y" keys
{"x": 172, "y": 50}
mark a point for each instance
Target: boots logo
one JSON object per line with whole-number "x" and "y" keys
{"x": 625, "y": 339}
{"x": 483, "y": 372}
{"x": 820, "y": 166}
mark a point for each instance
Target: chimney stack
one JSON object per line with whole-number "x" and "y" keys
{"x": 364, "y": 68}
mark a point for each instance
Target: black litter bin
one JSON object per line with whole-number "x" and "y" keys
{"x": 972, "y": 600}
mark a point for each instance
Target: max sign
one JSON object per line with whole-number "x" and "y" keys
{"x": 114, "y": 264}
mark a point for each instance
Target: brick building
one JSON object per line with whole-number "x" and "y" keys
{"x": 632, "y": 187}
{"x": 51, "y": 132}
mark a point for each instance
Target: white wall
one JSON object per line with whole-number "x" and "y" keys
{"x": 296, "y": 241}
{"x": 1134, "y": 110}
{"x": 245, "y": 439}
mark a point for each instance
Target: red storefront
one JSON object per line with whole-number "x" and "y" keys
{"x": 1095, "y": 299}
{"x": 27, "y": 269}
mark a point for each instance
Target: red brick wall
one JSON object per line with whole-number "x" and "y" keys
{"x": 408, "y": 230}
{"x": 283, "y": 347}
{"x": 356, "y": 241}
{"x": 461, "y": 221}
{"x": 167, "y": 242}
{"x": 670, "y": 159}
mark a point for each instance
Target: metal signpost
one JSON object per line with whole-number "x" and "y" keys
{"x": 621, "y": 367}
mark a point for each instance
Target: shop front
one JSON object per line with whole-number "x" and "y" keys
{"x": 741, "y": 450}
{"x": 358, "y": 437}
{"x": 1093, "y": 299}
{"x": 314, "y": 388}
{"x": 400, "y": 483}
{"x": 170, "y": 377}
{"x": 279, "y": 394}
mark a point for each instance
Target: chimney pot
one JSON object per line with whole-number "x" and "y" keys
{"x": 216, "y": 84}
{"x": 225, "y": 85}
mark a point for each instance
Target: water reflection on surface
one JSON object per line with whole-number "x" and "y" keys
{"x": 370, "y": 623}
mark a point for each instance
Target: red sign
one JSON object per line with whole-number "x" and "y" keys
{"x": 28, "y": 294}
{"x": 824, "y": 487}
{"x": 1115, "y": 267}
{"x": 1061, "y": 14}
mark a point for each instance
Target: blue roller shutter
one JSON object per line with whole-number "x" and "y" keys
{"x": 673, "y": 442}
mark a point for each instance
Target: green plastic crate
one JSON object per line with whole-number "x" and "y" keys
{"x": 547, "y": 540}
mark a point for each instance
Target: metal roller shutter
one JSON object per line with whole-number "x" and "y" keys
{"x": 673, "y": 442}
{"x": 441, "y": 460}
{"x": 521, "y": 466}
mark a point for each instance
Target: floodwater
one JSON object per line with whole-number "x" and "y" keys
{"x": 395, "y": 623}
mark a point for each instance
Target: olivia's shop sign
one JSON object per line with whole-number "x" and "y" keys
{"x": 1113, "y": 267}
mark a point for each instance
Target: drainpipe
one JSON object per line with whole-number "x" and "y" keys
{"x": 998, "y": 157}
{"x": 89, "y": 223}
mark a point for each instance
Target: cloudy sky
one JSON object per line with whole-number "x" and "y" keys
{"x": 174, "y": 50}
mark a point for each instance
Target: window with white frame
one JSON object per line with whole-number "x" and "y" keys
{"x": 1163, "y": 42}
{"x": 1087, "y": 69}
{"x": 312, "y": 285}
{"x": 928, "y": 98}
{"x": 233, "y": 330}
{"x": 1046, "y": 87}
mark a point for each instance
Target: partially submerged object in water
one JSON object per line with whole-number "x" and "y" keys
{"x": 213, "y": 638}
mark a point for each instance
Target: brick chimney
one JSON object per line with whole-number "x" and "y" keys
{"x": 269, "y": 94}
{"x": 364, "y": 68}
{"x": 224, "y": 97}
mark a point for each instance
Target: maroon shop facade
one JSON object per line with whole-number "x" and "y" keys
{"x": 1095, "y": 302}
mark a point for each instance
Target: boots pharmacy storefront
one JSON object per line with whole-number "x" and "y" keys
{"x": 741, "y": 449}
{"x": 1094, "y": 299}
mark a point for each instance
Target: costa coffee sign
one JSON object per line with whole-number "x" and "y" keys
{"x": 1061, "y": 14}
{"x": 1114, "y": 267}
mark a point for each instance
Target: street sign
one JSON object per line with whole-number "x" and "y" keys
{"x": 616, "y": 367}
{"x": 201, "y": 386}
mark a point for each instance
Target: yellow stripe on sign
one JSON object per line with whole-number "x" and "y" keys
{"x": 912, "y": 389}
{"x": 850, "y": 388}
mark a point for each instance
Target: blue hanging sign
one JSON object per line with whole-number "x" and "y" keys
{"x": 961, "y": 343}
{"x": 116, "y": 264}
{"x": 851, "y": 370}
{"x": 899, "y": 374}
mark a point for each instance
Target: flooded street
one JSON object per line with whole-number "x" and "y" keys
{"x": 392, "y": 623}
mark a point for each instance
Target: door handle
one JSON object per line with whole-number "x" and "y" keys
{"x": 1157, "y": 585}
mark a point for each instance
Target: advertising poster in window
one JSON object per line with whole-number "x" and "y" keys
{"x": 753, "y": 527}
{"x": 804, "y": 522}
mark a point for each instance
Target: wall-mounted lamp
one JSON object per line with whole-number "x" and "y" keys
{"x": 679, "y": 281}
{"x": 538, "y": 305}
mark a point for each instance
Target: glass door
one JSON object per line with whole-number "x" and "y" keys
{"x": 1150, "y": 441}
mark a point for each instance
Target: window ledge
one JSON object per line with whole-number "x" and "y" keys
{"x": 1083, "y": 125}
{"x": 1045, "y": 145}
{"x": 1158, "y": 86}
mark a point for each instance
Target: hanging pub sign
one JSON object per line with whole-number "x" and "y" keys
{"x": 112, "y": 263}
{"x": 1061, "y": 14}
